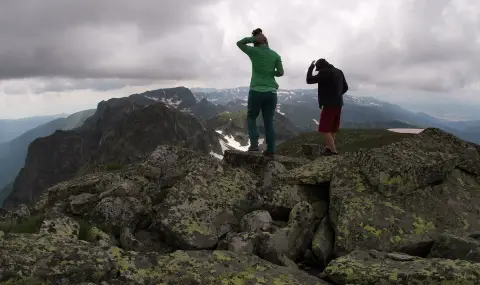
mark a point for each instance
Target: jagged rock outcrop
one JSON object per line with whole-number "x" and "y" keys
{"x": 112, "y": 141}
{"x": 372, "y": 267}
{"x": 256, "y": 162}
{"x": 401, "y": 196}
{"x": 406, "y": 213}
{"x": 40, "y": 259}
{"x": 192, "y": 199}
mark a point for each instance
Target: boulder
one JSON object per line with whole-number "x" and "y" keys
{"x": 403, "y": 215}
{"x": 82, "y": 204}
{"x": 201, "y": 207}
{"x": 317, "y": 172}
{"x": 246, "y": 242}
{"x": 257, "y": 221}
{"x": 312, "y": 150}
{"x": 417, "y": 162}
{"x": 256, "y": 162}
{"x": 291, "y": 241}
{"x": 129, "y": 242}
{"x": 89, "y": 264}
{"x": 63, "y": 226}
{"x": 272, "y": 169}
{"x": 100, "y": 238}
{"x": 116, "y": 213}
{"x": 322, "y": 243}
{"x": 453, "y": 247}
{"x": 279, "y": 199}
{"x": 84, "y": 192}
{"x": 151, "y": 241}
{"x": 372, "y": 267}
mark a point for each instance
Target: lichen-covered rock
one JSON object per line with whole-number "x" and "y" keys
{"x": 322, "y": 243}
{"x": 246, "y": 242}
{"x": 63, "y": 226}
{"x": 364, "y": 218}
{"x": 116, "y": 213}
{"x": 279, "y": 199}
{"x": 201, "y": 207}
{"x": 365, "y": 268}
{"x": 291, "y": 241}
{"x": 33, "y": 259}
{"x": 151, "y": 241}
{"x": 100, "y": 238}
{"x": 312, "y": 150}
{"x": 417, "y": 162}
{"x": 128, "y": 241}
{"x": 453, "y": 247}
{"x": 256, "y": 221}
{"x": 257, "y": 162}
{"x": 22, "y": 212}
{"x": 105, "y": 183}
{"x": 316, "y": 172}
{"x": 82, "y": 204}
{"x": 272, "y": 169}
{"x": 48, "y": 259}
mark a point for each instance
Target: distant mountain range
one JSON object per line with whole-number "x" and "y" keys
{"x": 13, "y": 153}
{"x": 123, "y": 130}
{"x": 300, "y": 106}
{"x": 10, "y": 129}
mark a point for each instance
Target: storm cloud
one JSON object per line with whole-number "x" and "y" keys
{"x": 55, "y": 46}
{"x": 103, "y": 39}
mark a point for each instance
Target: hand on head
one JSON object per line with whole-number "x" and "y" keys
{"x": 261, "y": 39}
{"x": 259, "y": 36}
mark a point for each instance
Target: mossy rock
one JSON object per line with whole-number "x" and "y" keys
{"x": 366, "y": 268}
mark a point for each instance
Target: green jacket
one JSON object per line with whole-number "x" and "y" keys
{"x": 266, "y": 65}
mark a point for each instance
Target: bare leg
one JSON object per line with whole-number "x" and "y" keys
{"x": 330, "y": 141}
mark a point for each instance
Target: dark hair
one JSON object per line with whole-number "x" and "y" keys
{"x": 322, "y": 63}
{"x": 257, "y": 32}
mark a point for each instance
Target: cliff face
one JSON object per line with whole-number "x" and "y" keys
{"x": 120, "y": 132}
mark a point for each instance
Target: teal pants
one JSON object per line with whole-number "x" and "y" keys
{"x": 267, "y": 103}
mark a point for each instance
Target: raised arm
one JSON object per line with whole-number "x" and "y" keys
{"x": 243, "y": 44}
{"x": 312, "y": 79}
{"x": 279, "y": 67}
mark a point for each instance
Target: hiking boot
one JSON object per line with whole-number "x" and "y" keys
{"x": 253, "y": 149}
{"x": 329, "y": 152}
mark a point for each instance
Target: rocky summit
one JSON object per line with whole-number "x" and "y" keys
{"x": 403, "y": 213}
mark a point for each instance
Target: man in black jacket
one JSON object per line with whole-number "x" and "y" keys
{"x": 331, "y": 87}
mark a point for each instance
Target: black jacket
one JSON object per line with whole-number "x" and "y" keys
{"x": 331, "y": 85}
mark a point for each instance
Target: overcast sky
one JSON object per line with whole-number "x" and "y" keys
{"x": 60, "y": 56}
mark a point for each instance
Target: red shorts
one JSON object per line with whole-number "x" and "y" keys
{"x": 330, "y": 119}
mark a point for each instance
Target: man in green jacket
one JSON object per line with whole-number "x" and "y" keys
{"x": 266, "y": 65}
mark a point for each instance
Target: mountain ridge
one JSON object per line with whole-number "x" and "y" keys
{"x": 114, "y": 138}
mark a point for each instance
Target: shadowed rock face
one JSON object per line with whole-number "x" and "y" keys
{"x": 123, "y": 134}
{"x": 399, "y": 214}
{"x": 364, "y": 268}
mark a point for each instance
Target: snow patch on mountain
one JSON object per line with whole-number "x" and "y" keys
{"x": 230, "y": 142}
{"x": 168, "y": 101}
{"x": 406, "y": 131}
